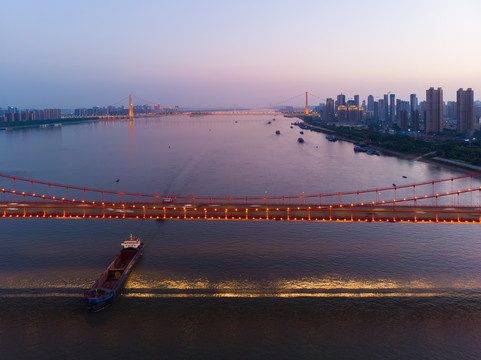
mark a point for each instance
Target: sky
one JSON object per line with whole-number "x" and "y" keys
{"x": 250, "y": 53}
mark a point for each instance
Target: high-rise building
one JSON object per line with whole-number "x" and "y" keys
{"x": 413, "y": 102}
{"x": 376, "y": 111}
{"x": 328, "y": 113}
{"x": 386, "y": 107}
{"x": 342, "y": 113}
{"x": 398, "y": 111}
{"x": 355, "y": 114}
{"x": 434, "y": 110}
{"x": 403, "y": 116}
{"x": 370, "y": 103}
{"x": 450, "y": 111}
{"x": 415, "y": 121}
{"x": 465, "y": 110}
{"x": 401, "y": 105}
{"x": 422, "y": 110}
{"x": 382, "y": 110}
{"x": 341, "y": 100}
{"x": 356, "y": 100}
{"x": 392, "y": 108}
{"x": 25, "y": 115}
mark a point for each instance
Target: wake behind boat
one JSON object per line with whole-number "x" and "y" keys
{"x": 110, "y": 282}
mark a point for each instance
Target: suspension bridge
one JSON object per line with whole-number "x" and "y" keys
{"x": 452, "y": 200}
{"x": 269, "y": 109}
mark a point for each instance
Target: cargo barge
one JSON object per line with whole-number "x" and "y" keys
{"x": 110, "y": 282}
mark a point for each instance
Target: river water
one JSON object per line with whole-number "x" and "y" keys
{"x": 231, "y": 289}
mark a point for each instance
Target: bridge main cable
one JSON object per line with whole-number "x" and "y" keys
{"x": 259, "y": 198}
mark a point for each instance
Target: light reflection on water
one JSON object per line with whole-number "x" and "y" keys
{"x": 138, "y": 286}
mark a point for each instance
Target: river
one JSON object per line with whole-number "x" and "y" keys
{"x": 231, "y": 289}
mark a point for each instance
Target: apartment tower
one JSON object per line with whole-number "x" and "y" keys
{"x": 434, "y": 110}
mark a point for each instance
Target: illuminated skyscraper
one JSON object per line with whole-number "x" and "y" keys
{"x": 341, "y": 100}
{"x": 342, "y": 113}
{"x": 354, "y": 114}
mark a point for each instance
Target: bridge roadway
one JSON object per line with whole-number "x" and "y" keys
{"x": 210, "y": 211}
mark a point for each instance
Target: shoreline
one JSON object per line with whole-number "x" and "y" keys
{"x": 447, "y": 164}
{"x": 49, "y": 123}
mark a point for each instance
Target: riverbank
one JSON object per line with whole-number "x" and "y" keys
{"x": 36, "y": 123}
{"x": 454, "y": 165}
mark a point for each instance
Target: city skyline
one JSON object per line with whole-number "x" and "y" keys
{"x": 253, "y": 54}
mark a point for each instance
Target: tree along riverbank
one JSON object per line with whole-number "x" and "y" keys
{"x": 436, "y": 151}
{"x": 33, "y": 123}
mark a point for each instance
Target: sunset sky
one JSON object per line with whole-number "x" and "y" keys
{"x": 57, "y": 53}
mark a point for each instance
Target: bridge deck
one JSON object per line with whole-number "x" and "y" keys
{"x": 299, "y": 212}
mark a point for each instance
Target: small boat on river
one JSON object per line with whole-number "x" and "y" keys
{"x": 373, "y": 152}
{"x": 359, "y": 148}
{"x": 112, "y": 279}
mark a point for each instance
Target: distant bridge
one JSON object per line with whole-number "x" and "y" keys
{"x": 266, "y": 110}
{"x": 194, "y": 114}
{"x": 437, "y": 201}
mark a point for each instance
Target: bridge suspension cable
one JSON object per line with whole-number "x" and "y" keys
{"x": 77, "y": 202}
{"x": 333, "y": 198}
